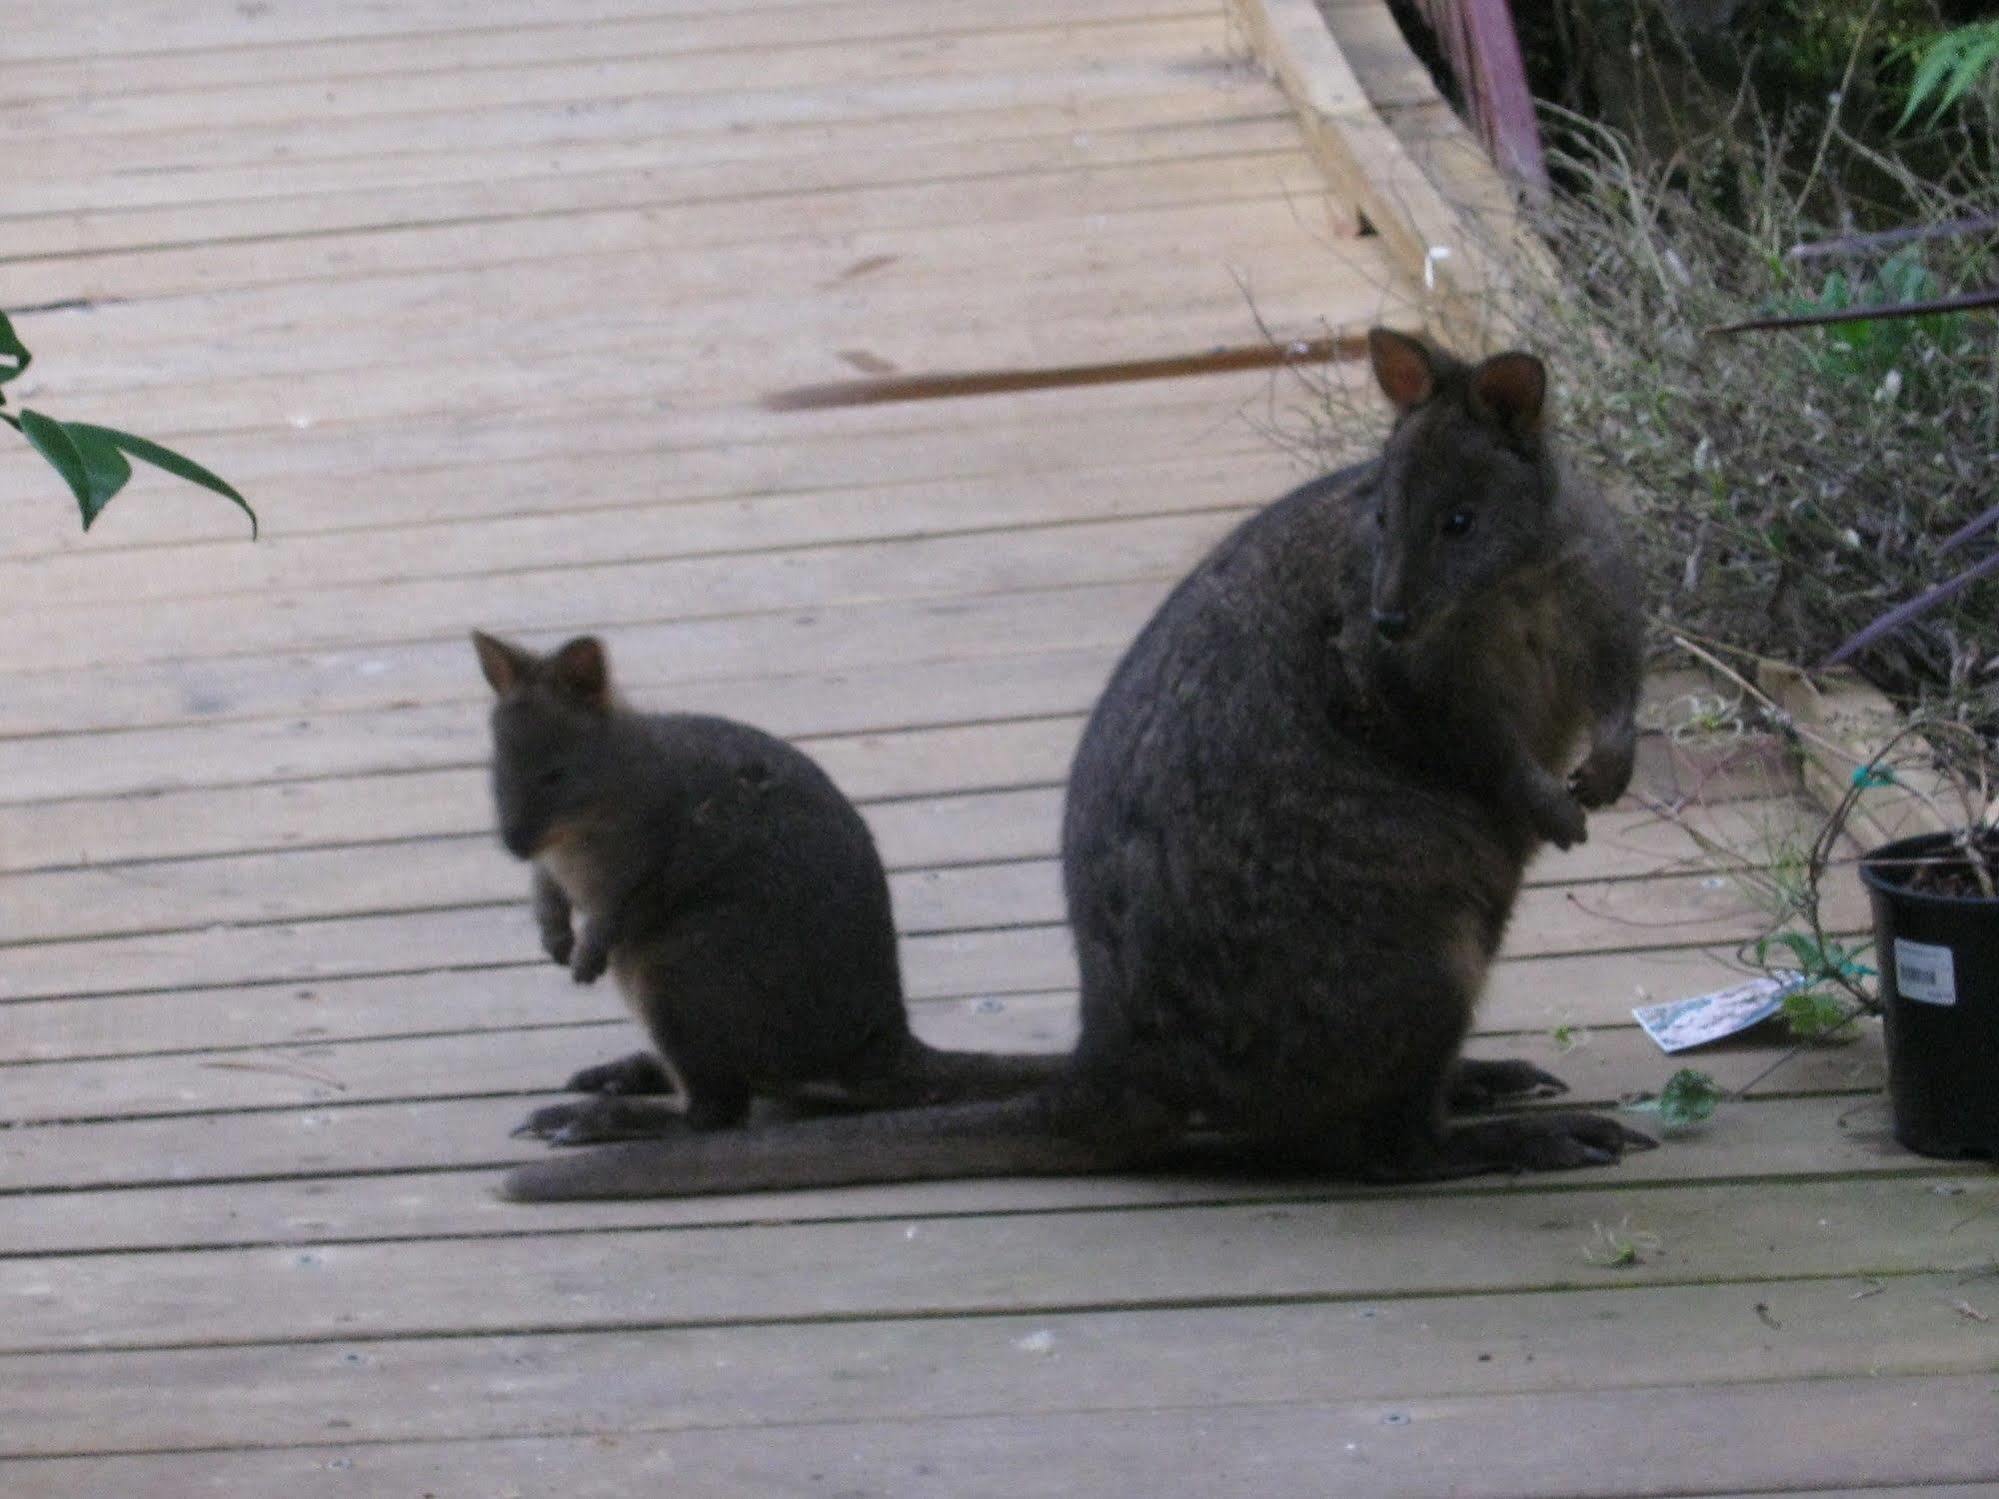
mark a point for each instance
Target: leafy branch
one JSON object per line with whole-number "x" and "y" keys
{"x": 1948, "y": 65}
{"x": 95, "y": 462}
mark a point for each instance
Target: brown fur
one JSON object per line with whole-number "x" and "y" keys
{"x": 1295, "y": 830}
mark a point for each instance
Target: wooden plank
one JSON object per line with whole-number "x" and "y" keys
{"x": 343, "y": 792}
{"x": 485, "y": 973}
{"x": 604, "y": 358}
{"x": 1371, "y": 40}
{"x": 1023, "y": 958}
{"x": 969, "y": 891}
{"x": 1008, "y": 960}
{"x": 500, "y": 983}
{"x": 552, "y": 1385}
{"x": 681, "y": 663}
{"x": 477, "y": 1050}
{"x": 1003, "y": 69}
{"x": 1366, "y": 164}
{"x": 708, "y": 310}
{"x": 336, "y": 809}
{"x": 1524, "y": 1239}
{"x": 1764, "y": 1438}
{"x": 49, "y": 29}
{"x": 1023, "y": 169}
{"x": 690, "y": 210}
{"x": 573, "y": 289}
{"x": 307, "y": 886}
{"x": 605, "y": 595}
{"x": 385, "y": 1122}
{"x": 551, "y": 42}
{"x": 278, "y": 108}
{"x": 506, "y": 466}
{"x": 688, "y": 221}
{"x": 735, "y": 528}
{"x": 1029, "y": 751}
{"x": 943, "y": 962}
{"x": 206, "y": 185}
{"x": 452, "y": 1194}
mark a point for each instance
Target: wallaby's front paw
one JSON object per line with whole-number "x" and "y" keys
{"x": 558, "y": 942}
{"x": 1560, "y": 819}
{"x": 589, "y": 962}
{"x": 640, "y": 1072}
{"x": 1601, "y": 779}
{"x": 596, "y": 1121}
{"x": 1479, "y": 1085}
{"x": 546, "y": 1123}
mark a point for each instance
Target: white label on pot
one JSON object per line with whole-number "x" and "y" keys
{"x": 1923, "y": 972}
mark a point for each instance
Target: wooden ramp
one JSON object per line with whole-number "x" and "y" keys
{"x": 501, "y": 313}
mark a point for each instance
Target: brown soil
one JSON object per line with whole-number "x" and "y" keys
{"x": 1955, "y": 877}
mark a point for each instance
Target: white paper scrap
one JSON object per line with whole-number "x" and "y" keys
{"x": 1679, "y": 1024}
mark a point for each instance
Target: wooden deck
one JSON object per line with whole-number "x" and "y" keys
{"x": 491, "y": 309}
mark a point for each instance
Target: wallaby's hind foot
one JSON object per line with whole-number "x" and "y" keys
{"x": 1544, "y": 1142}
{"x": 641, "y": 1072}
{"x": 1522, "y": 1142}
{"x": 1479, "y": 1085}
{"x": 607, "y": 1117}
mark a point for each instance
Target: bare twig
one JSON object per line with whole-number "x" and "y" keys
{"x": 1965, "y": 302}
{"x": 1888, "y": 239}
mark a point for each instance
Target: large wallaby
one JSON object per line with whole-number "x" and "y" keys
{"x": 734, "y": 893}
{"x": 1295, "y": 828}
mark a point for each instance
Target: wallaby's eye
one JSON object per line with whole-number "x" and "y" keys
{"x": 1381, "y": 516}
{"x": 1457, "y": 523}
{"x": 549, "y": 779}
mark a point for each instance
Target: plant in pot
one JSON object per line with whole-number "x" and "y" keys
{"x": 1911, "y": 818}
{"x": 1935, "y": 905}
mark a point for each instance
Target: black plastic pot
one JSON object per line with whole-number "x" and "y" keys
{"x": 1939, "y": 961}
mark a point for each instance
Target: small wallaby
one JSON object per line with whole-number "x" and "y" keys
{"x": 1295, "y": 830}
{"x": 733, "y": 892}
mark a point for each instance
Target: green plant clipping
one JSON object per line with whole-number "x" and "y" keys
{"x": 1686, "y": 1102}
{"x": 1815, "y": 1014}
{"x": 1816, "y": 1008}
{"x": 95, "y": 462}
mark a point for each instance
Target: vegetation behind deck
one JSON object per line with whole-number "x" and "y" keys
{"x": 491, "y": 310}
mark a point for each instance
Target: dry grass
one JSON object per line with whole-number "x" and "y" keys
{"x": 1788, "y": 487}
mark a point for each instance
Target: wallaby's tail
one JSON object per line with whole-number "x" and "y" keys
{"x": 1011, "y": 1137}
{"x": 932, "y": 1076}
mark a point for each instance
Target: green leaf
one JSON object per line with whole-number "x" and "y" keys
{"x": 1972, "y": 61}
{"x": 1688, "y": 1099}
{"x": 1936, "y": 61}
{"x": 14, "y": 355}
{"x": 1814, "y": 1014}
{"x": 166, "y": 458}
{"x": 92, "y": 475}
{"x": 105, "y": 465}
{"x": 1948, "y": 66}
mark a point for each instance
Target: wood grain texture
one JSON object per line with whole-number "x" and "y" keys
{"x": 486, "y": 308}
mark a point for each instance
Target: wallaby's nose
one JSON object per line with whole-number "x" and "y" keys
{"x": 1393, "y": 624}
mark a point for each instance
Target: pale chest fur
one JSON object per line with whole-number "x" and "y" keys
{"x": 581, "y": 870}
{"x": 1522, "y": 650}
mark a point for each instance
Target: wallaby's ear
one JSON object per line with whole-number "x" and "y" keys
{"x": 506, "y": 665}
{"x": 1510, "y": 389}
{"x": 581, "y": 671}
{"x": 1404, "y": 366}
